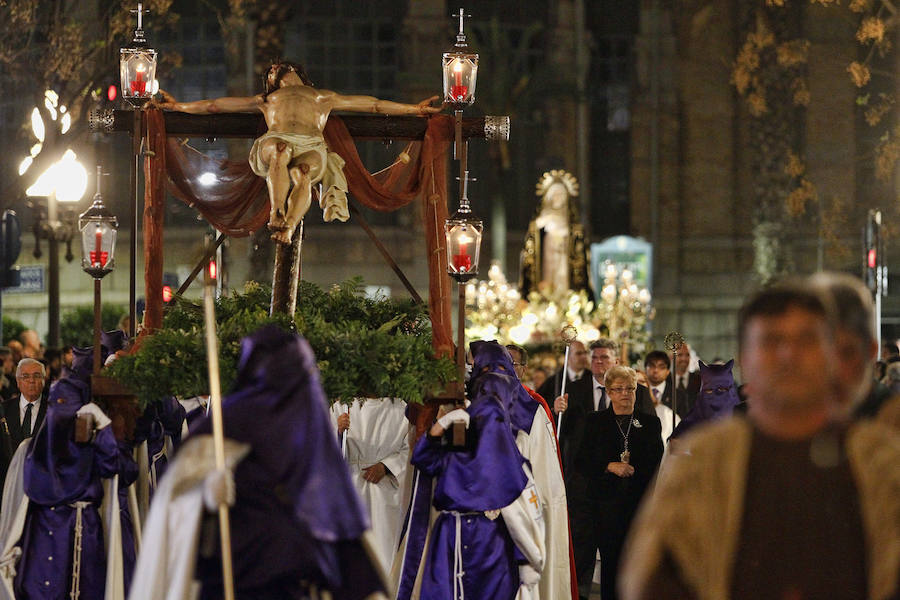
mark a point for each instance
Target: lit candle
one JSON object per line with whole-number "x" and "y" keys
{"x": 458, "y": 91}
{"x": 462, "y": 262}
{"x": 97, "y": 257}
{"x": 139, "y": 86}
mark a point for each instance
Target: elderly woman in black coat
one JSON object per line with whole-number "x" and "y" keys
{"x": 619, "y": 456}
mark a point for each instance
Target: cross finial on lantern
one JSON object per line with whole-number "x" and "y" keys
{"x": 139, "y": 31}
{"x": 140, "y": 14}
{"x": 461, "y": 36}
{"x": 464, "y": 196}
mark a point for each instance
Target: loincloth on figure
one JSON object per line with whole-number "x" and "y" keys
{"x": 334, "y": 201}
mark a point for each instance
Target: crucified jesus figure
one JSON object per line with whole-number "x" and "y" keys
{"x": 292, "y": 155}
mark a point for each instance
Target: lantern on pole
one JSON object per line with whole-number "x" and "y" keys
{"x": 98, "y": 245}
{"x": 460, "y": 67}
{"x": 463, "y": 233}
{"x": 137, "y": 66}
{"x": 98, "y": 236}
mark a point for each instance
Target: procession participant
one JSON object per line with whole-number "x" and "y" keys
{"x": 717, "y": 399}
{"x": 297, "y": 523}
{"x": 293, "y": 151}
{"x": 489, "y": 537}
{"x": 532, "y": 424}
{"x": 787, "y": 503}
{"x": 157, "y": 434}
{"x": 378, "y": 453}
{"x": 619, "y": 457}
{"x": 63, "y": 551}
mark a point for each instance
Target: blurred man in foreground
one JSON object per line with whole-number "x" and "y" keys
{"x": 788, "y": 503}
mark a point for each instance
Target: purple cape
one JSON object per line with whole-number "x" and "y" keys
{"x": 297, "y": 515}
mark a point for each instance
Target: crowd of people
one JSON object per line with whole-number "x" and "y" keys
{"x": 682, "y": 483}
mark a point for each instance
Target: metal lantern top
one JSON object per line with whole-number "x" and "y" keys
{"x": 460, "y": 70}
{"x": 98, "y": 236}
{"x": 137, "y": 66}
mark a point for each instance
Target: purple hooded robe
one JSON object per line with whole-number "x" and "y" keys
{"x": 297, "y": 516}
{"x": 59, "y": 477}
{"x": 486, "y": 475}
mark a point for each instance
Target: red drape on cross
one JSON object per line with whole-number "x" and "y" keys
{"x": 239, "y": 205}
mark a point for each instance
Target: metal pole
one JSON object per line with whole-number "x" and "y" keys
{"x": 461, "y": 334}
{"x": 215, "y": 400}
{"x": 97, "y": 326}
{"x": 136, "y": 142}
{"x": 53, "y": 274}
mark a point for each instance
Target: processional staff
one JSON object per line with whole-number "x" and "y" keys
{"x": 568, "y": 335}
{"x": 673, "y": 341}
{"x": 215, "y": 402}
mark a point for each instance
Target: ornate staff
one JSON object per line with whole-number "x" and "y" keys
{"x": 215, "y": 401}
{"x": 568, "y": 335}
{"x": 673, "y": 341}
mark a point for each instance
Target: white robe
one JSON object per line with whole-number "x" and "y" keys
{"x": 665, "y": 418}
{"x": 379, "y": 433}
{"x": 539, "y": 447}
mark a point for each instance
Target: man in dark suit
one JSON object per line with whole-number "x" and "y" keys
{"x": 24, "y": 412}
{"x": 687, "y": 382}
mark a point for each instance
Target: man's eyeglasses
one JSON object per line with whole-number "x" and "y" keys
{"x": 621, "y": 391}
{"x": 515, "y": 364}
{"x": 33, "y": 377}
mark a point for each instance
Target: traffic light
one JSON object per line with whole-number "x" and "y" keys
{"x": 10, "y": 247}
{"x": 873, "y": 258}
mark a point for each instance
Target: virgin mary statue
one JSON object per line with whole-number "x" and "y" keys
{"x": 554, "y": 255}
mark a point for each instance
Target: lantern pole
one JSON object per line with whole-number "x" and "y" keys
{"x": 97, "y": 255}
{"x": 137, "y": 68}
{"x": 215, "y": 402}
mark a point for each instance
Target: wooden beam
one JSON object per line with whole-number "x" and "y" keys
{"x": 239, "y": 125}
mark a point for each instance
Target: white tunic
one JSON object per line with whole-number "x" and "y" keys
{"x": 379, "y": 433}
{"x": 539, "y": 447}
{"x": 665, "y": 418}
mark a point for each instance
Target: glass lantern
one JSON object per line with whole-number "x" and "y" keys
{"x": 463, "y": 234}
{"x": 460, "y": 68}
{"x": 137, "y": 66}
{"x": 98, "y": 237}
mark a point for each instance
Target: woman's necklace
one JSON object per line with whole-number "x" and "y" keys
{"x": 626, "y": 455}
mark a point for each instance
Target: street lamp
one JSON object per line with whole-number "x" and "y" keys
{"x": 64, "y": 181}
{"x": 98, "y": 246}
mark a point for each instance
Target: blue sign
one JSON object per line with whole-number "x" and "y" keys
{"x": 625, "y": 252}
{"x": 32, "y": 280}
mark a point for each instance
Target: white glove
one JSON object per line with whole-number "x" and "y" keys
{"x": 100, "y": 418}
{"x": 453, "y": 416}
{"x": 218, "y": 489}
{"x": 528, "y": 576}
